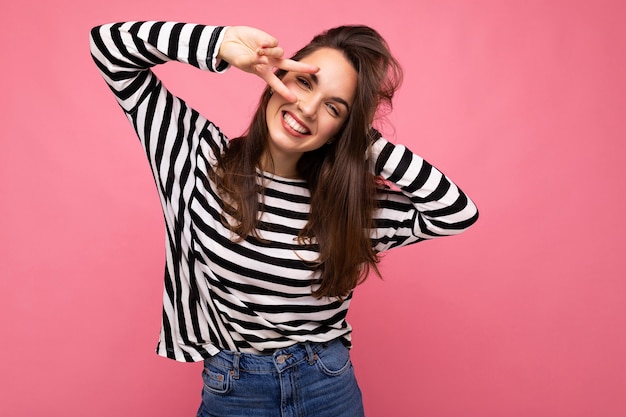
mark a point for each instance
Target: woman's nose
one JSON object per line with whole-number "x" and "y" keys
{"x": 308, "y": 106}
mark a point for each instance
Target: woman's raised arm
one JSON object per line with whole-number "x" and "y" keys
{"x": 427, "y": 205}
{"x": 125, "y": 52}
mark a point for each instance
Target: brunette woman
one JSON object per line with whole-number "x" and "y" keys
{"x": 269, "y": 233}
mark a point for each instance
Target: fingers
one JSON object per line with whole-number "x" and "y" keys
{"x": 264, "y": 64}
{"x": 275, "y": 54}
{"x": 279, "y": 88}
{"x": 266, "y": 41}
{"x": 291, "y": 65}
{"x": 265, "y": 71}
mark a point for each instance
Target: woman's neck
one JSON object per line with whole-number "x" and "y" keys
{"x": 282, "y": 167}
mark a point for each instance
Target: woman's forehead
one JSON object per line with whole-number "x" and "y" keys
{"x": 335, "y": 73}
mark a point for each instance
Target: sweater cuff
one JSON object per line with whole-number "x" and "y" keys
{"x": 215, "y": 64}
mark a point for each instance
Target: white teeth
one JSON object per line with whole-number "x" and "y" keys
{"x": 293, "y": 123}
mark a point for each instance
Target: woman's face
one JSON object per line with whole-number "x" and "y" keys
{"x": 324, "y": 100}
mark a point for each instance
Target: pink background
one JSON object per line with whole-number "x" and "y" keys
{"x": 521, "y": 102}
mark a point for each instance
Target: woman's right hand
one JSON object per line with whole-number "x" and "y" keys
{"x": 254, "y": 51}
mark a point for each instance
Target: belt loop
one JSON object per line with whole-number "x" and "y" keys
{"x": 235, "y": 371}
{"x": 310, "y": 356}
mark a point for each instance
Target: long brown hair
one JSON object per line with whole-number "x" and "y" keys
{"x": 341, "y": 226}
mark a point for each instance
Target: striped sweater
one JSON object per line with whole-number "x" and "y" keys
{"x": 252, "y": 295}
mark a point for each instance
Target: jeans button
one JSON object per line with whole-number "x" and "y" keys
{"x": 282, "y": 358}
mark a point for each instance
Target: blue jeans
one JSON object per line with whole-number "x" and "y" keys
{"x": 307, "y": 379}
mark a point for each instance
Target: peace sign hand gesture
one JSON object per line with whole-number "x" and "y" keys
{"x": 254, "y": 51}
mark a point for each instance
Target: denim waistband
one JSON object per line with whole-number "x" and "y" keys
{"x": 279, "y": 361}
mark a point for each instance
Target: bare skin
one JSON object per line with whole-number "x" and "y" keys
{"x": 254, "y": 51}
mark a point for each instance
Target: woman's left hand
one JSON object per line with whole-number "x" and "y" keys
{"x": 254, "y": 51}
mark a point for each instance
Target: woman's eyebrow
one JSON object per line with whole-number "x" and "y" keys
{"x": 339, "y": 100}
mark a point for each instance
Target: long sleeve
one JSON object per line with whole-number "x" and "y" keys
{"x": 181, "y": 146}
{"x": 426, "y": 205}
{"x": 176, "y": 138}
{"x": 169, "y": 130}
{"x": 124, "y": 53}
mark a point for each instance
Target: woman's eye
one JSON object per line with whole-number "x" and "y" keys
{"x": 333, "y": 109}
{"x": 303, "y": 81}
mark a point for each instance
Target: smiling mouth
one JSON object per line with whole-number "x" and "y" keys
{"x": 294, "y": 124}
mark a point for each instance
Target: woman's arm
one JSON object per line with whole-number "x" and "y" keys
{"x": 428, "y": 204}
{"x": 170, "y": 131}
{"x": 125, "y": 52}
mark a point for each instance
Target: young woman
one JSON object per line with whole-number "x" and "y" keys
{"x": 269, "y": 233}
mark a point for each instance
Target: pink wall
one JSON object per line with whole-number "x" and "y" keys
{"x": 523, "y": 103}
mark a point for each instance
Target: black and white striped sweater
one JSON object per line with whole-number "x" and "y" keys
{"x": 253, "y": 295}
